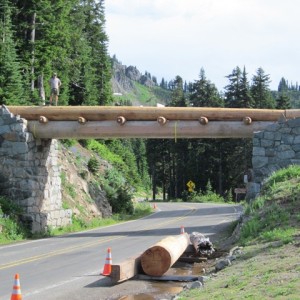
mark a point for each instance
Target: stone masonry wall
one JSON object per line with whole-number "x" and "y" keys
{"x": 30, "y": 174}
{"x": 277, "y": 147}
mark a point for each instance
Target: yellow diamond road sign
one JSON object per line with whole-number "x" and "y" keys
{"x": 191, "y": 185}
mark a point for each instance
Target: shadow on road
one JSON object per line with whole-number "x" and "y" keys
{"x": 209, "y": 230}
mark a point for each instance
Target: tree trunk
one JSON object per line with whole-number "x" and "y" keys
{"x": 159, "y": 258}
{"x": 32, "y": 50}
{"x": 41, "y": 88}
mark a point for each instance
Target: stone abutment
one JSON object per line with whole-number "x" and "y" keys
{"x": 30, "y": 174}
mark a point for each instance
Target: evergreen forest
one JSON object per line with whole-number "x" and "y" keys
{"x": 39, "y": 37}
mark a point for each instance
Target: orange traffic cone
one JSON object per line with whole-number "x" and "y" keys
{"x": 108, "y": 263}
{"x": 182, "y": 230}
{"x": 16, "y": 293}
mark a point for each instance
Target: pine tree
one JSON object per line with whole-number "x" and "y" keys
{"x": 233, "y": 91}
{"x": 246, "y": 98}
{"x": 204, "y": 94}
{"x": 283, "y": 85}
{"x": 283, "y": 102}
{"x": 260, "y": 91}
{"x": 11, "y": 89}
{"x": 178, "y": 97}
{"x": 97, "y": 39}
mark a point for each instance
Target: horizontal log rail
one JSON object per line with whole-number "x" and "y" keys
{"x": 134, "y": 113}
{"x": 144, "y": 129}
{"x": 83, "y": 122}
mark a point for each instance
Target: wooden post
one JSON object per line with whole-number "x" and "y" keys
{"x": 159, "y": 258}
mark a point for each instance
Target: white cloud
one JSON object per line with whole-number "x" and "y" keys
{"x": 178, "y": 37}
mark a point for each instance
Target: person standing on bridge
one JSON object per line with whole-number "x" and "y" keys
{"x": 55, "y": 84}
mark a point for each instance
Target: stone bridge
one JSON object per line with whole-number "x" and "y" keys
{"x": 29, "y": 170}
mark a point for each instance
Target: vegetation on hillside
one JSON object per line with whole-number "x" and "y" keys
{"x": 269, "y": 266}
{"x": 68, "y": 37}
{"x": 42, "y": 37}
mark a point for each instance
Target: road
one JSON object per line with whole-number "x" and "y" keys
{"x": 69, "y": 267}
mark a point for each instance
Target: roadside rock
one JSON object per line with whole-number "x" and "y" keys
{"x": 222, "y": 264}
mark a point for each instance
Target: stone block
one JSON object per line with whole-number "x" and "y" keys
{"x": 256, "y": 142}
{"x": 296, "y": 131}
{"x": 19, "y": 148}
{"x": 287, "y": 139}
{"x": 259, "y": 161}
{"x": 267, "y": 143}
{"x": 253, "y": 189}
{"x": 283, "y": 148}
{"x": 296, "y": 160}
{"x": 296, "y": 148}
{"x": 270, "y": 152}
{"x": 4, "y": 129}
{"x": 285, "y": 130}
{"x": 258, "y": 134}
{"x": 260, "y": 151}
{"x": 294, "y": 122}
{"x": 269, "y": 135}
{"x": 273, "y": 127}
{"x": 284, "y": 155}
{"x": 297, "y": 139}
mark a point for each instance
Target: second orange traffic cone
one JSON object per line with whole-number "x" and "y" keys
{"x": 16, "y": 293}
{"x": 108, "y": 263}
{"x": 182, "y": 230}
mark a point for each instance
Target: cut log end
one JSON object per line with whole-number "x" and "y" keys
{"x": 203, "y": 120}
{"x": 43, "y": 119}
{"x": 161, "y": 120}
{"x": 156, "y": 261}
{"x": 247, "y": 120}
{"x": 121, "y": 120}
{"x": 81, "y": 120}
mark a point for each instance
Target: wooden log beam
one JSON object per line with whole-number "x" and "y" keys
{"x": 144, "y": 129}
{"x": 169, "y": 277}
{"x": 130, "y": 113}
{"x": 156, "y": 260}
{"x": 126, "y": 270}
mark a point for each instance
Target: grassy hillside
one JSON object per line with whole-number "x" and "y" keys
{"x": 143, "y": 95}
{"x": 269, "y": 266}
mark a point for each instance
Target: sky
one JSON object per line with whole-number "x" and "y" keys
{"x": 179, "y": 37}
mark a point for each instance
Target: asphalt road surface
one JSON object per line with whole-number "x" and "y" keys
{"x": 69, "y": 267}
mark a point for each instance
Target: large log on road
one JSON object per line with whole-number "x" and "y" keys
{"x": 159, "y": 258}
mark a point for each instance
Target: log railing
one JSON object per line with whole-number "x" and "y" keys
{"x": 83, "y": 122}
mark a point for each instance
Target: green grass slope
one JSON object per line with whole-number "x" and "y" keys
{"x": 143, "y": 95}
{"x": 269, "y": 267}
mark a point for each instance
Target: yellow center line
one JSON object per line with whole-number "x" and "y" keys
{"x": 86, "y": 245}
{"x": 193, "y": 210}
{"x": 57, "y": 252}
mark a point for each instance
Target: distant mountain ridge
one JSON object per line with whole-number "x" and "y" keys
{"x": 131, "y": 87}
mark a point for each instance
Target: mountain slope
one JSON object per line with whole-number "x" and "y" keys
{"x": 131, "y": 87}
